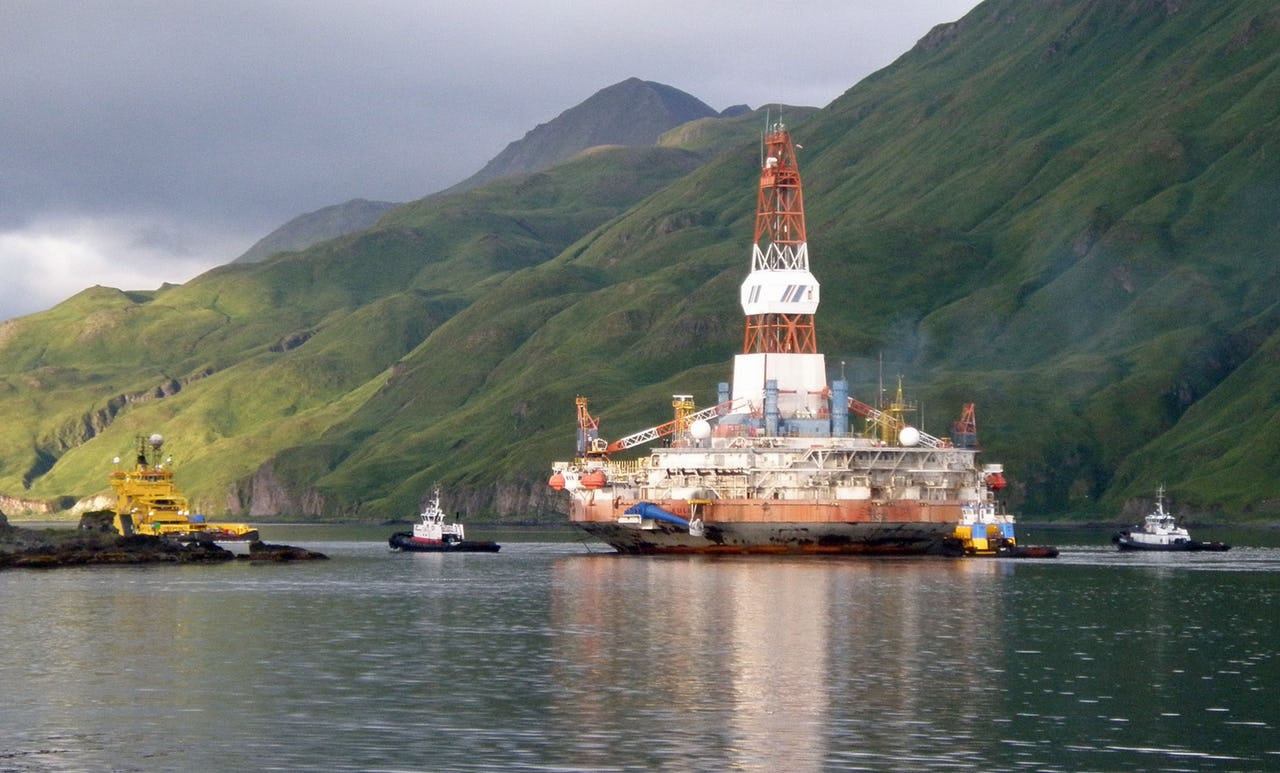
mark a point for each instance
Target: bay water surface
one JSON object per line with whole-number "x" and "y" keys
{"x": 558, "y": 655}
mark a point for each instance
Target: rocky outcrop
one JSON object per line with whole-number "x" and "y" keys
{"x": 79, "y": 430}
{"x": 92, "y": 544}
{"x": 266, "y": 494}
{"x": 95, "y": 503}
{"x": 30, "y": 549}
{"x": 20, "y": 506}
{"x": 261, "y": 551}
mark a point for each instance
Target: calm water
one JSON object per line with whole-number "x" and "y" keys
{"x": 549, "y": 657}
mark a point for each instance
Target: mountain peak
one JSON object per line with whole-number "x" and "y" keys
{"x": 632, "y": 112}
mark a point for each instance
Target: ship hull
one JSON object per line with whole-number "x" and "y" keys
{"x": 1126, "y": 542}
{"x": 774, "y": 538}
{"x": 403, "y": 540}
{"x": 766, "y": 526}
{"x": 781, "y": 495}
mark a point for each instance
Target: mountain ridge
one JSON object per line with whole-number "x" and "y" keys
{"x": 318, "y": 226}
{"x": 632, "y": 112}
{"x": 651, "y": 109}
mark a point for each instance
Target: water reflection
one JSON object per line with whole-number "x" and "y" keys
{"x": 778, "y": 664}
{"x": 542, "y": 658}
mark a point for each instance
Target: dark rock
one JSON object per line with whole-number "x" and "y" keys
{"x": 262, "y": 551}
{"x": 98, "y": 520}
{"x": 50, "y": 548}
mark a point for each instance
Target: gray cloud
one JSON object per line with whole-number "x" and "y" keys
{"x": 206, "y": 125}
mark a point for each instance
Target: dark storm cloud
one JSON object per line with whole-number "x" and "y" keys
{"x": 152, "y": 140}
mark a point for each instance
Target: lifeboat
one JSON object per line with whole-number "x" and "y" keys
{"x": 556, "y": 482}
{"x": 594, "y": 480}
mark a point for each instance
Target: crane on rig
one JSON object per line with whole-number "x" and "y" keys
{"x": 965, "y": 431}
{"x": 590, "y": 444}
{"x": 893, "y": 427}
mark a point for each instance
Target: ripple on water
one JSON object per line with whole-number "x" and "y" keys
{"x": 547, "y": 658}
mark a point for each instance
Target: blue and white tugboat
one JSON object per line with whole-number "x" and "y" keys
{"x": 432, "y": 535}
{"x": 1160, "y": 531}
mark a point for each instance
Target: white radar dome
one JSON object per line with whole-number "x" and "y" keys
{"x": 157, "y": 440}
{"x": 700, "y": 429}
{"x": 909, "y": 436}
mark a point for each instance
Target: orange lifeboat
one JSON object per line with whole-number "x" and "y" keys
{"x": 594, "y": 480}
{"x": 556, "y": 482}
{"x": 996, "y": 481}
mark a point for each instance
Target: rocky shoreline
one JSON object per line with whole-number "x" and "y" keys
{"x": 91, "y": 545}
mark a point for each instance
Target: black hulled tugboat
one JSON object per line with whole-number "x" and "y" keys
{"x": 432, "y": 535}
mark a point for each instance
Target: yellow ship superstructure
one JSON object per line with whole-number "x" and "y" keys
{"x": 148, "y": 502}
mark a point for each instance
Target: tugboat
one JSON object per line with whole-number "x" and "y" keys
{"x": 148, "y": 502}
{"x": 1159, "y": 531}
{"x": 432, "y": 535}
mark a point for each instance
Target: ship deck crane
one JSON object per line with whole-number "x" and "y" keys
{"x": 894, "y": 424}
{"x": 965, "y": 430}
{"x": 590, "y": 444}
{"x": 681, "y": 422}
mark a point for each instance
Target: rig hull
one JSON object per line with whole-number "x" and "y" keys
{"x": 775, "y": 538}
{"x": 800, "y": 495}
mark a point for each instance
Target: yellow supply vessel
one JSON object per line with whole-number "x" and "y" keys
{"x": 148, "y": 502}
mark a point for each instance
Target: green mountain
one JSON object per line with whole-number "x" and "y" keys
{"x": 312, "y": 228}
{"x": 1064, "y": 212}
{"x": 633, "y": 112}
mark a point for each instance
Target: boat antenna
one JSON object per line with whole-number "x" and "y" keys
{"x": 764, "y": 133}
{"x": 880, "y": 394}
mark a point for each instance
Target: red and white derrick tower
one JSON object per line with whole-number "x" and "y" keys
{"x": 780, "y": 296}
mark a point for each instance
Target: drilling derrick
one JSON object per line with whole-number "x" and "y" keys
{"x": 780, "y": 296}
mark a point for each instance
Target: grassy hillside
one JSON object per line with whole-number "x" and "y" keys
{"x": 314, "y": 227}
{"x": 1064, "y": 212}
{"x": 248, "y": 360}
{"x": 1100, "y": 191}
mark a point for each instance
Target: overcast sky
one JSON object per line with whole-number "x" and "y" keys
{"x": 145, "y": 142}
